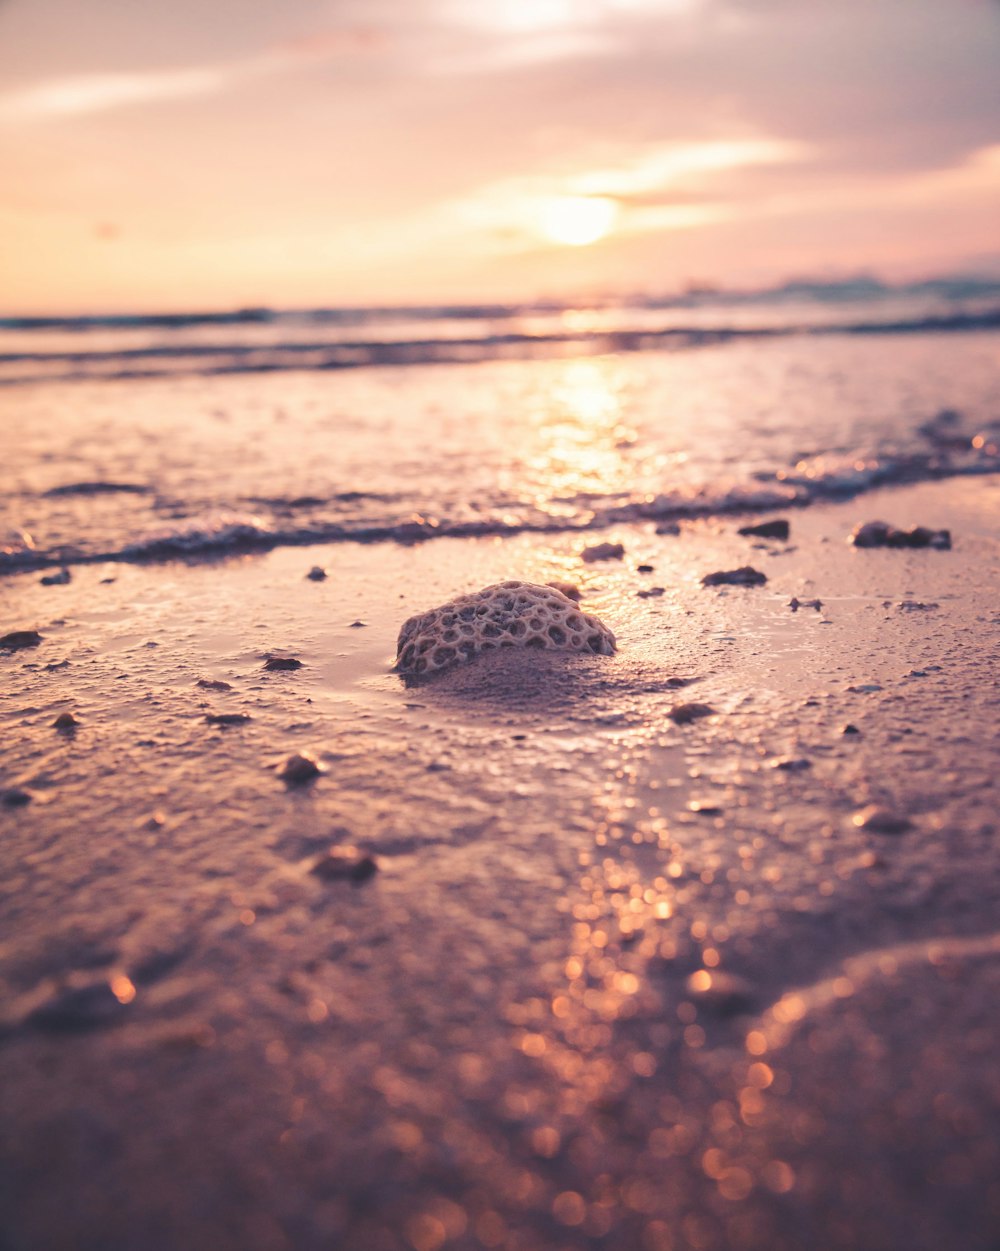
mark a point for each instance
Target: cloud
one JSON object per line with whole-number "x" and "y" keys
{"x": 75, "y": 95}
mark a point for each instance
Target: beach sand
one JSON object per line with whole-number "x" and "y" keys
{"x": 618, "y": 982}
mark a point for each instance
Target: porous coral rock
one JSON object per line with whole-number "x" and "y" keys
{"x": 510, "y": 614}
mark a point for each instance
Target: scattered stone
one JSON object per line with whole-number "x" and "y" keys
{"x": 676, "y": 680}
{"x": 881, "y": 534}
{"x": 725, "y": 994}
{"x": 864, "y": 688}
{"x": 777, "y": 529}
{"x": 744, "y": 576}
{"x": 358, "y": 625}
{"x": 213, "y": 684}
{"x": 668, "y": 527}
{"x": 228, "y": 718}
{"x": 654, "y": 592}
{"x": 65, "y": 721}
{"x": 20, "y": 638}
{"x": 57, "y": 579}
{"x": 108, "y": 581}
{"x": 704, "y": 807}
{"x": 56, "y": 664}
{"x": 282, "y": 663}
{"x": 568, "y": 589}
{"x": 15, "y": 797}
{"x": 316, "y": 574}
{"x": 684, "y": 714}
{"x": 913, "y": 605}
{"x": 790, "y": 764}
{"x": 795, "y": 603}
{"x": 644, "y": 568}
{"x": 345, "y": 864}
{"x": 850, "y": 729}
{"x": 97, "y": 488}
{"x": 882, "y": 820}
{"x": 299, "y": 769}
{"x": 76, "y": 1008}
{"x": 510, "y": 614}
{"x": 602, "y": 551}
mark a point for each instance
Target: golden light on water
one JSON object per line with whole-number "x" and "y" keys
{"x": 577, "y": 220}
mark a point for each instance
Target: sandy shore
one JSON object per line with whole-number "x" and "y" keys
{"x": 617, "y": 983}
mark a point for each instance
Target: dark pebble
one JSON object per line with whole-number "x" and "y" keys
{"x": 882, "y": 820}
{"x": 723, "y": 994}
{"x": 644, "y": 568}
{"x": 15, "y": 797}
{"x": 668, "y": 527}
{"x": 65, "y": 721}
{"x": 881, "y": 534}
{"x": 299, "y": 769}
{"x": 358, "y": 625}
{"x": 211, "y": 684}
{"x": 57, "y": 579}
{"x": 683, "y": 714}
{"x": 777, "y": 529}
{"x": 791, "y": 764}
{"x": 78, "y": 1008}
{"x": 282, "y": 663}
{"x": 345, "y": 864}
{"x": 602, "y": 551}
{"x": 795, "y": 603}
{"x": 316, "y": 574}
{"x": 20, "y": 638}
{"x": 654, "y": 592}
{"x": 850, "y": 729}
{"x": 735, "y": 577}
{"x": 228, "y": 718}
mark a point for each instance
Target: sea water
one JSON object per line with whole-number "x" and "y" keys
{"x": 164, "y": 435}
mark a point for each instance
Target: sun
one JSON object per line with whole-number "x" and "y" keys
{"x": 576, "y": 220}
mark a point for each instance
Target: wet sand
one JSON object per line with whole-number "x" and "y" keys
{"x": 618, "y": 982}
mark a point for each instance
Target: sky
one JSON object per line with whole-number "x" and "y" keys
{"x": 207, "y": 154}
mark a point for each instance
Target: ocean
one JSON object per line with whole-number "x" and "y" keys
{"x": 158, "y": 436}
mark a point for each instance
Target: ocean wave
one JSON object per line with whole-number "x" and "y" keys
{"x": 161, "y": 358}
{"x": 222, "y": 533}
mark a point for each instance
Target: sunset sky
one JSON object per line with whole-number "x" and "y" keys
{"x": 218, "y": 153}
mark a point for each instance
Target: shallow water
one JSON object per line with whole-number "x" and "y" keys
{"x": 145, "y": 468}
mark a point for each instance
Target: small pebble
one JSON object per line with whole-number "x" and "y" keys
{"x": 704, "y": 807}
{"x": 718, "y": 992}
{"x": 744, "y": 576}
{"x": 777, "y": 529}
{"x": 65, "y": 721}
{"x": 213, "y": 684}
{"x": 881, "y": 534}
{"x": 282, "y": 663}
{"x": 20, "y": 638}
{"x": 298, "y": 769}
{"x": 795, "y": 603}
{"x": 345, "y": 864}
{"x": 850, "y": 729}
{"x": 228, "y": 718}
{"x": 790, "y": 764}
{"x": 568, "y": 589}
{"x": 683, "y": 714}
{"x": 654, "y": 592}
{"x": 644, "y": 568}
{"x": 358, "y": 625}
{"x": 668, "y": 527}
{"x": 15, "y": 797}
{"x": 881, "y": 820}
{"x": 316, "y": 574}
{"x": 602, "y": 551}
{"x": 57, "y": 579}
